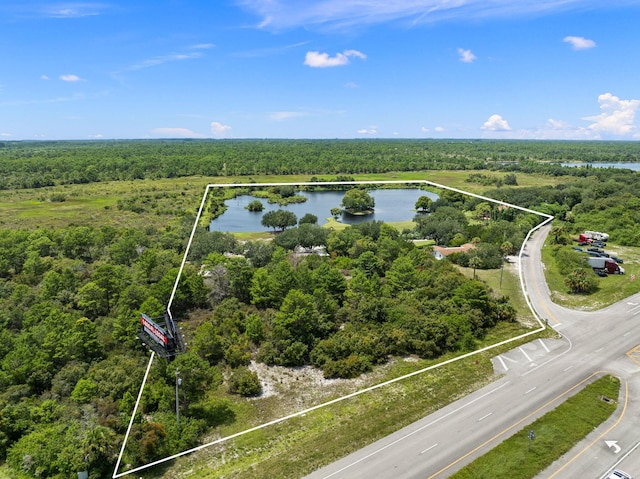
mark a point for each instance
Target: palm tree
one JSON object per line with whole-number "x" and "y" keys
{"x": 557, "y": 231}
{"x": 475, "y": 262}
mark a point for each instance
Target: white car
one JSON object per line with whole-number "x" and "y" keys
{"x": 619, "y": 475}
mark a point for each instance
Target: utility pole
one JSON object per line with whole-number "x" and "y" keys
{"x": 178, "y": 383}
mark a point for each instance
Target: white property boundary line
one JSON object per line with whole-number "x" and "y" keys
{"x": 548, "y": 219}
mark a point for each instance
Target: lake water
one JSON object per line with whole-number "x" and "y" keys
{"x": 390, "y": 205}
{"x": 628, "y": 166}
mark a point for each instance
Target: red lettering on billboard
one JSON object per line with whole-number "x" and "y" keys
{"x": 153, "y": 330}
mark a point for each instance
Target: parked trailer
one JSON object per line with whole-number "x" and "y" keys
{"x": 605, "y": 264}
{"x": 596, "y": 235}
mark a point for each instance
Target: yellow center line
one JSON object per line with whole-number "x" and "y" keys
{"x": 547, "y": 404}
{"x": 542, "y": 303}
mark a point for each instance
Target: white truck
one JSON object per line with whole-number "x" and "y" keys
{"x": 605, "y": 264}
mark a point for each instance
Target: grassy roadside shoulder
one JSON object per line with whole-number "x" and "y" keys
{"x": 555, "y": 433}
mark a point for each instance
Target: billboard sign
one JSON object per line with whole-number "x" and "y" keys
{"x": 154, "y": 330}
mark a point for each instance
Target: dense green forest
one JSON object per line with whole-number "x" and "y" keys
{"x": 70, "y": 362}
{"x": 36, "y": 164}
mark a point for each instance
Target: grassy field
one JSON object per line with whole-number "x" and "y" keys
{"x": 555, "y": 433}
{"x": 167, "y": 199}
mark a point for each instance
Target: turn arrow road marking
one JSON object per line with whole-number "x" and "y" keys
{"x": 613, "y": 444}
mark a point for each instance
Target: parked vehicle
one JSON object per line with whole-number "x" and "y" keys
{"x": 595, "y": 235}
{"x": 599, "y": 244}
{"x": 618, "y": 474}
{"x": 601, "y": 272}
{"x": 617, "y": 260}
{"x": 605, "y": 264}
{"x": 578, "y": 249}
{"x": 595, "y": 250}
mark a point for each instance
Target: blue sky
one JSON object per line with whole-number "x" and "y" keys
{"x": 507, "y": 69}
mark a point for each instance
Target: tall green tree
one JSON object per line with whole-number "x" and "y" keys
{"x": 357, "y": 200}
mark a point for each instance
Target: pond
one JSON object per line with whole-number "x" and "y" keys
{"x": 390, "y": 205}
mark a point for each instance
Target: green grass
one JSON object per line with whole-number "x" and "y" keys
{"x": 555, "y": 433}
{"x": 95, "y": 203}
{"x": 509, "y": 286}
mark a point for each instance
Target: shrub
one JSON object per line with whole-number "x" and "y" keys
{"x": 244, "y": 382}
{"x": 350, "y": 367}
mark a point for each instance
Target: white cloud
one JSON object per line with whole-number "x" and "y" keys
{"x": 496, "y": 123}
{"x": 617, "y": 117}
{"x": 351, "y": 85}
{"x": 97, "y": 136}
{"x": 323, "y": 60}
{"x": 70, "y": 78}
{"x": 6, "y": 135}
{"x": 556, "y": 130}
{"x": 466, "y": 56}
{"x": 616, "y": 120}
{"x": 176, "y": 133}
{"x": 285, "y": 115}
{"x": 44, "y": 77}
{"x": 579, "y": 43}
{"x": 347, "y": 14}
{"x": 368, "y": 131}
{"x": 74, "y": 10}
{"x": 174, "y": 57}
{"x": 219, "y": 130}
{"x": 202, "y": 46}
{"x": 437, "y": 129}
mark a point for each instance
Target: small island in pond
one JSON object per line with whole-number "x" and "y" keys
{"x": 358, "y": 202}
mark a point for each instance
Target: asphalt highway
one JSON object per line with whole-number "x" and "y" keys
{"x": 531, "y": 380}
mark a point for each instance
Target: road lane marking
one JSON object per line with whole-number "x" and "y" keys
{"x": 502, "y": 362}
{"x": 544, "y": 345}
{"x": 515, "y": 424}
{"x": 525, "y": 354}
{"x": 566, "y": 369}
{"x": 429, "y": 448}
{"x": 485, "y": 417}
{"x": 507, "y": 358}
{"x": 634, "y": 354}
{"x": 488, "y": 393}
{"x": 599, "y": 438}
{"x": 626, "y": 334}
{"x": 627, "y": 454}
{"x": 599, "y": 349}
{"x": 530, "y": 390}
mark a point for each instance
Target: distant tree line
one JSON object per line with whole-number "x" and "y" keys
{"x": 32, "y": 164}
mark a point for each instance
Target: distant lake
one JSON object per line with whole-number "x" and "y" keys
{"x": 627, "y": 166}
{"x": 390, "y": 205}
